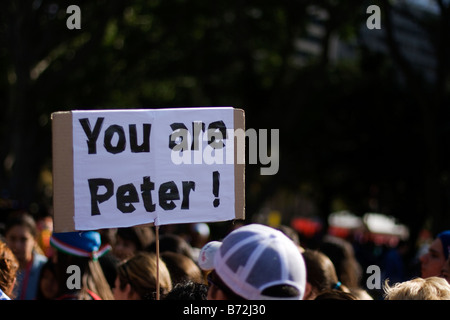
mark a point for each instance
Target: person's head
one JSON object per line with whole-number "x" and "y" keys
{"x": 81, "y": 249}
{"x": 8, "y": 269}
{"x": 181, "y": 268}
{"x": 136, "y": 278}
{"x": 131, "y": 240}
{"x": 431, "y": 288}
{"x": 320, "y": 274}
{"x": 291, "y": 233}
{"x": 342, "y": 254}
{"x": 20, "y": 236}
{"x": 173, "y": 243}
{"x": 431, "y": 263}
{"x": 188, "y": 290}
{"x": 255, "y": 262}
{"x": 48, "y": 284}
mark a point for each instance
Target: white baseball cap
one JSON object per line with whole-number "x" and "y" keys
{"x": 254, "y": 258}
{"x": 207, "y": 253}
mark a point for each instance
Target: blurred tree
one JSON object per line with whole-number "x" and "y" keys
{"x": 38, "y": 55}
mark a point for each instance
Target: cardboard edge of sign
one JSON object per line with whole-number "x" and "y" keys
{"x": 62, "y": 161}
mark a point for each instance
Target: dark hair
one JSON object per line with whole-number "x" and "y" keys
{"x": 21, "y": 219}
{"x": 281, "y": 291}
{"x": 181, "y": 268}
{"x": 49, "y": 265}
{"x": 141, "y": 236}
{"x": 172, "y": 242}
{"x": 214, "y": 280}
{"x": 342, "y": 254}
{"x": 334, "y": 294}
{"x": 321, "y": 273}
{"x": 188, "y": 290}
{"x": 109, "y": 263}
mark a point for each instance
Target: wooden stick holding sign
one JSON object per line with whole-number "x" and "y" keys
{"x": 157, "y": 261}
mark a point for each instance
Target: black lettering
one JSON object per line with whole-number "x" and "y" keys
{"x": 216, "y": 187}
{"x": 92, "y": 135}
{"x": 212, "y": 135}
{"x": 175, "y": 126}
{"x": 146, "y": 188}
{"x": 187, "y": 187}
{"x": 168, "y": 192}
{"x": 197, "y": 128}
{"x": 109, "y": 134}
{"x": 145, "y": 145}
{"x": 126, "y": 195}
{"x": 94, "y": 185}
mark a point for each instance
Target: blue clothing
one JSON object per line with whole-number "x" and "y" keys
{"x": 3, "y": 296}
{"x": 32, "y": 282}
{"x": 445, "y": 239}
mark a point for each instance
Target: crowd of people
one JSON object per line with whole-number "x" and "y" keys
{"x": 251, "y": 262}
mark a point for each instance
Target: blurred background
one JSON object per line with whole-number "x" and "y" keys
{"x": 363, "y": 113}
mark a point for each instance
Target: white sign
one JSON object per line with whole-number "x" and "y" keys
{"x": 159, "y": 166}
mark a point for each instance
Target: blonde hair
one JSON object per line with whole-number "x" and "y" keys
{"x": 94, "y": 279}
{"x": 432, "y": 288}
{"x": 140, "y": 272}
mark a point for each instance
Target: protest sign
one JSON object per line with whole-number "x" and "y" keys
{"x": 120, "y": 168}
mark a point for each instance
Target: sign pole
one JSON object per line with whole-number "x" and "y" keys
{"x": 157, "y": 261}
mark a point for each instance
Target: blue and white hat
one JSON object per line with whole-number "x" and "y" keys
{"x": 256, "y": 257}
{"x": 80, "y": 244}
